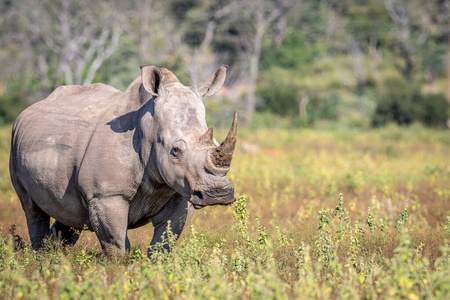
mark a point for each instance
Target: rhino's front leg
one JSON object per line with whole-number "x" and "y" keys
{"x": 109, "y": 219}
{"x": 179, "y": 212}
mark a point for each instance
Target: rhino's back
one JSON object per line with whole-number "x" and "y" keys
{"x": 71, "y": 103}
{"x": 49, "y": 141}
{"x": 64, "y": 120}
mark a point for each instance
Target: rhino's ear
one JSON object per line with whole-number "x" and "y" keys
{"x": 151, "y": 79}
{"x": 213, "y": 83}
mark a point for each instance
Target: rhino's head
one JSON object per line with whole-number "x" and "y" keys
{"x": 188, "y": 158}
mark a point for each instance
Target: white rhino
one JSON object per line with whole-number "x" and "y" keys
{"x": 93, "y": 156}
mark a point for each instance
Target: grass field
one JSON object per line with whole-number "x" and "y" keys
{"x": 322, "y": 213}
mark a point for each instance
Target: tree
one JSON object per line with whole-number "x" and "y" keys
{"x": 415, "y": 22}
{"x": 148, "y": 12}
{"x": 215, "y": 15}
{"x": 81, "y": 34}
{"x": 263, "y": 15}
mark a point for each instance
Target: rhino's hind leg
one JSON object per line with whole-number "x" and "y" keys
{"x": 66, "y": 234}
{"x": 109, "y": 219}
{"x": 38, "y": 222}
{"x": 127, "y": 244}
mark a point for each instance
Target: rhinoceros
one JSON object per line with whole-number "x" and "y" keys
{"x": 97, "y": 158}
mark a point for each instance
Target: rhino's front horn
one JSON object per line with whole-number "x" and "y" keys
{"x": 223, "y": 154}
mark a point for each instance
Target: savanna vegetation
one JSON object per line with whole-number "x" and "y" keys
{"x": 321, "y": 213}
{"x": 342, "y": 168}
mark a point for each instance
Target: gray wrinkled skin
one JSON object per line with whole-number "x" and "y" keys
{"x": 93, "y": 156}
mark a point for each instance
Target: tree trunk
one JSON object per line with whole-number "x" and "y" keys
{"x": 254, "y": 68}
{"x": 302, "y": 106}
{"x": 43, "y": 72}
{"x": 448, "y": 58}
{"x": 146, "y": 15}
{"x": 408, "y": 68}
{"x": 207, "y": 39}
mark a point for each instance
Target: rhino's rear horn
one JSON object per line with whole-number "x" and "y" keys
{"x": 207, "y": 137}
{"x": 222, "y": 155}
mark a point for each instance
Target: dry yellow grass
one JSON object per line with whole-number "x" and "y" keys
{"x": 288, "y": 177}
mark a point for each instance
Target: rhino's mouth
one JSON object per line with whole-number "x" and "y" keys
{"x": 196, "y": 200}
{"x": 202, "y": 199}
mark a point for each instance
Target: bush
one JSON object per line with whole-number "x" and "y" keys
{"x": 320, "y": 107}
{"x": 281, "y": 94}
{"x": 403, "y": 104}
{"x": 219, "y": 112}
{"x": 262, "y": 120}
{"x": 324, "y": 107}
{"x": 14, "y": 99}
{"x": 294, "y": 53}
{"x": 434, "y": 110}
{"x": 11, "y": 105}
{"x": 279, "y": 97}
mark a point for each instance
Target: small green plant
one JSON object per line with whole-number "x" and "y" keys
{"x": 18, "y": 240}
{"x": 370, "y": 221}
{"x": 241, "y": 216}
{"x": 401, "y": 223}
{"x": 262, "y": 233}
{"x": 84, "y": 258}
{"x": 160, "y": 250}
{"x": 325, "y": 250}
{"x": 355, "y": 244}
{"x": 343, "y": 219}
{"x": 282, "y": 237}
{"x": 383, "y": 227}
{"x": 447, "y": 226}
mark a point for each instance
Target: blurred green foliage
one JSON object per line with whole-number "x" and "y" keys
{"x": 405, "y": 104}
{"x": 12, "y": 101}
{"x": 352, "y": 63}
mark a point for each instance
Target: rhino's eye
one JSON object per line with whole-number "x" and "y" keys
{"x": 177, "y": 149}
{"x": 175, "y": 152}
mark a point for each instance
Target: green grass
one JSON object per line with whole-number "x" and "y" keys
{"x": 289, "y": 235}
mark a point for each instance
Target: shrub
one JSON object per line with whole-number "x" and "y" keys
{"x": 14, "y": 99}
{"x": 279, "y": 94}
{"x": 404, "y": 104}
{"x": 396, "y": 104}
{"x": 262, "y": 120}
{"x": 11, "y": 105}
{"x": 435, "y": 110}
